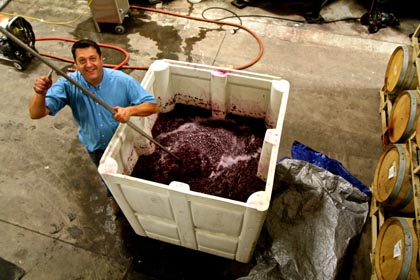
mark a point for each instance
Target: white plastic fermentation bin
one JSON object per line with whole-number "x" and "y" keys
{"x": 172, "y": 213}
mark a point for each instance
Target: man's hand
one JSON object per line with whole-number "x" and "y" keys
{"x": 141, "y": 110}
{"x": 122, "y": 114}
{"x": 42, "y": 84}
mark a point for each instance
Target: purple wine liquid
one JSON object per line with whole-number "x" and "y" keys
{"x": 218, "y": 156}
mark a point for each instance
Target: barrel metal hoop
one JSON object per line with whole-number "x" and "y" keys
{"x": 404, "y": 67}
{"x": 412, "y": 117}
{"x": 400, "y": 175}
{"x": 407, "y": 199}
{"x": 412, "y": 73}
{"x": 408, "y": 249}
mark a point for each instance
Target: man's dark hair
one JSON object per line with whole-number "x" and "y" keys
{"x": 84, "y": 43}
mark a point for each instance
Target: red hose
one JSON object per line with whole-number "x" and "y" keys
{"x": 122, "y": 64}
{"x": 261, "y": 46}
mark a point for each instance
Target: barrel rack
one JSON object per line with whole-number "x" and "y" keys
{"x": 377, "y": 219}
{"x": 377, "y": 212}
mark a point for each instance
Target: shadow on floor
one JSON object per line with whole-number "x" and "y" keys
{"x": 153, "y": 259}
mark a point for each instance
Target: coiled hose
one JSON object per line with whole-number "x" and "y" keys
{"x": 122, "y": 64}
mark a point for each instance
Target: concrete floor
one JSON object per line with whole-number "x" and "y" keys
{"x": 55, "y": 220}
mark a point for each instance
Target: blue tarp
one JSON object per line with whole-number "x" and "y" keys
{"x": 303, "y": 152}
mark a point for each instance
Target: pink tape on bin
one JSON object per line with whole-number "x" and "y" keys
{"x": 272, "y": 136}
{"x": 109, "y": 166}
{"x": 260, "y": 200}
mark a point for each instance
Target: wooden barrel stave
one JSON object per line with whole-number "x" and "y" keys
{"x": 396, "y": 250}
{"x": 402, "y": 121}
{"x": 391, "y": 185}
{"x": 401, "y": 72}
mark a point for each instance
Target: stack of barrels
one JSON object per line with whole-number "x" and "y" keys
{"x": 396, "y": 249}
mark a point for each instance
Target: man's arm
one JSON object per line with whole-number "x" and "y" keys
{"x": 37, "y": 107}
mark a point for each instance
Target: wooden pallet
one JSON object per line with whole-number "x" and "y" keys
{"x": 416, "y": 49}
{"x": 385, "y": 107}
{"x": 415, "y": 179}
{"x": 376, "y": 213}
{"x": 412, "y": 145}
{"x": 377, "y": 217}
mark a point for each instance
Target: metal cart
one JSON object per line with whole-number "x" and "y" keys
{"x": 110, "y": 11}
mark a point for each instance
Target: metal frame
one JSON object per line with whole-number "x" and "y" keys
{"x": 110, "y": 11}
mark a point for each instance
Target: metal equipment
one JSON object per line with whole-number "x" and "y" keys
{"x": 110, "y": 11}
{"x": 376, "y": 18}
{"x": 9, "y": 50}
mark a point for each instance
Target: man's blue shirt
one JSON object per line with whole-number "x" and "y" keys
{"x": 96, "y": 124}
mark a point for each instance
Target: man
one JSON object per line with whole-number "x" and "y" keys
{"x": 96, "y": 124}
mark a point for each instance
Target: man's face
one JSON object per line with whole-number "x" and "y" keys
{"x": 90, "y": 65}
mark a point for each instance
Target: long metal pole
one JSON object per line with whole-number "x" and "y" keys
{"x": 83, "y": 89}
